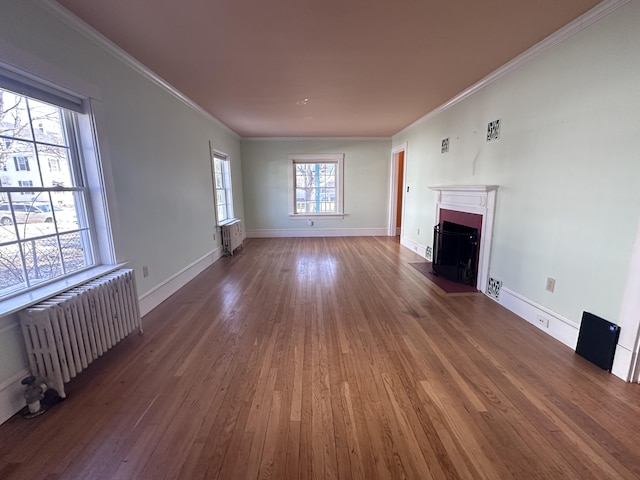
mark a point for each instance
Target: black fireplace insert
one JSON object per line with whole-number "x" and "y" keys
{"x": 455, "y": 252}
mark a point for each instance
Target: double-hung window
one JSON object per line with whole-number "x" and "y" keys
{"x": 315, "y": 185}
{"x": 222, "y": 187}
{"x": 45, "y": 232}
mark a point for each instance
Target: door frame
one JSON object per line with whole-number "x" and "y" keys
{"x": 393, "y": 200}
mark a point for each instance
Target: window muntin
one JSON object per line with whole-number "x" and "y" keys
{"x": 222, "y": 187}
{"x": 315, "y": 185}
{"x": 44, "y": 230}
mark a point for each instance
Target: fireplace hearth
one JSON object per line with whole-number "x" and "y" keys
{"x": 455, "y": 252}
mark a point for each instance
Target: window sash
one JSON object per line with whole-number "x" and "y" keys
{"x": 44, "y": 252}
{"x": 319, "y": 192}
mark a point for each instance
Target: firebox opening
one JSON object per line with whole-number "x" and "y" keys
{"x": 455, "y": 252}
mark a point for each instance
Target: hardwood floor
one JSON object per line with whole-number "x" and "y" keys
{"x": 332, "y": 358}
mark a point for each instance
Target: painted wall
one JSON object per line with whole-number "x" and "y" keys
{"x": 158, "y": 149}
{"x": 566, "y": 163}
{"x": 366, "y": 187}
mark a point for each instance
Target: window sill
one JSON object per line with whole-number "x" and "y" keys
{"x": 24, "y": 300}
{"x": 311, "y": 216}
{"x": 228, "y": 221}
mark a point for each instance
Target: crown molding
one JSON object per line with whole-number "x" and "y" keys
{"x": 100, "y": 40}
{"x": 583, "y": 21}
{"x": 319, "y": 139}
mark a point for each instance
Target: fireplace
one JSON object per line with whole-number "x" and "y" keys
{"x": 471, "y": 206}
{"x": 455, "y": 252}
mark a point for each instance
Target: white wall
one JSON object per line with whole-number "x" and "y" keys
{"x": 566, "y": 163}
{"x": 366, "y": 187}
{"x": 158, "y": 148}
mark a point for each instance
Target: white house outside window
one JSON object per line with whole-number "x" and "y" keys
{"x": 45, "y": 233}
{"x": 315, "y": 185}
{"x": 223, "y": 192}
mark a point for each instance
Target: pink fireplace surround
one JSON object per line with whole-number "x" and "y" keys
{"x": 470, "y": 199}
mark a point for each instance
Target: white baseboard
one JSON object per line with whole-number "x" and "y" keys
{"x": 317, "y": 232}
{"x": 12, "y": 395}
{"x": 158, "y": 294}
{"x": 622, "y": 361}
{"x": 416, "y": 247}
{"x": 559, "y": 327}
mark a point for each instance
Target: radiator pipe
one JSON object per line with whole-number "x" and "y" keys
{"x": 33, "y": 394}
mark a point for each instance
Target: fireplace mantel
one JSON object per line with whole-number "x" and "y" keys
{"x": 479, "y": 199}
{"x": 465, "y": 188}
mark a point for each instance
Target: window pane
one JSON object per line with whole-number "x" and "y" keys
{"x": 32, "y": 224}
{"x": 42, "y": 259}
{"x": 47, "y": 124}
{"x": 315, "y": 188}
{"x": 11, "y": 274}
{"x": 18, "y": 163}
{"x": 73, "y": 253}
{"x": 7, "y": 229}
{"x": 222, "y": 213}
{"x": 60, "y": 175}
{"x": 14, "y": 119}
{"x": 65, "y": 210}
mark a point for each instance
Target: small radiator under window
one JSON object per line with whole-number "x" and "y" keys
{"x": 232, "y": 236}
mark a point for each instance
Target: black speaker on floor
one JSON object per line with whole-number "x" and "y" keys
{"x": 597, "y": 340}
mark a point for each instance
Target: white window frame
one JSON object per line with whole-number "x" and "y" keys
{"x": 82, "y": 97}
{"x": 335, "y": 158}
{"x": 227, "y": 187}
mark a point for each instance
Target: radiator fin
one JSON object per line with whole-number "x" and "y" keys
{"x": 66, "y": 333}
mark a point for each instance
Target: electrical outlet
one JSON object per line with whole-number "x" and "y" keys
{"x": 145, "y": 271}
{"x": 551, "y": 284}
{"x": 543, "y": 322}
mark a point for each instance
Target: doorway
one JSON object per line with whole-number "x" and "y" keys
{"x": 396, "y": 203}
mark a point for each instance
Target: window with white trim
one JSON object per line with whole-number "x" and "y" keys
{"x": 21, "y": 163}
{"x": 222, "y": 187}
{"x": 315, "y": 185}
{"x": 45, "y": 231}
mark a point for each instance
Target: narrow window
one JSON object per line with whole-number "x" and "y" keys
{"x": 222, "y": 187}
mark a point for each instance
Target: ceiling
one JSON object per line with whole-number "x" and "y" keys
{"x": 356, "y": 68}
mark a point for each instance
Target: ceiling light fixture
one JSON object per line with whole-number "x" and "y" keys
{"x": 304, "y": 101}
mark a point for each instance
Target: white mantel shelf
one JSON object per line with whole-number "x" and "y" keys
{"x": 465, "y": 188}
{"x": 478, "y": 199}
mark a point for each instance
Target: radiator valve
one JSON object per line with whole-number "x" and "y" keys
{"x": 33, "y": 394}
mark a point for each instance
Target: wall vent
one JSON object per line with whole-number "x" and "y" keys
{"x": 493, "y": 288}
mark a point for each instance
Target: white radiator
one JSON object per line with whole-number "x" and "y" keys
{"x": 232, "y": 236}
{"x": 66, "y": 333}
